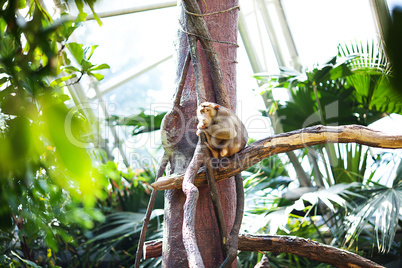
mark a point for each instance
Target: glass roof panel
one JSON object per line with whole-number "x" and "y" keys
{"x": 129, "y": 43}
{"x": 128, "y": 40}
{"x": 319, "y": 26}
{"x": 133, "y": 43}
{"x": 258, "y": 36}
{"x": 154, "y": 86}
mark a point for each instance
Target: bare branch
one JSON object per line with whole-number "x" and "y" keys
{"x": 286, "y": 142}
{"x": 148, "y": 213}
{"x": 197, "y": 68}
{"x": 234, "y": 233}
{"x": 182, "y": 81}
{"x": 305, "y": 248}
{"x": 288, "y": 244}
{"x": 215, "y": 196}
{"x": 191, "y": 192}
{"x": 76, "y": 81}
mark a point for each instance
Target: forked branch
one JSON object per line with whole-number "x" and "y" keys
{"x": 286, "y": 142}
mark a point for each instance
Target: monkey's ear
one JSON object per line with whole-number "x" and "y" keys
{"x": 217, "y": 107}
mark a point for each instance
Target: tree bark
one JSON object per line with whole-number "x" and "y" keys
{"x": 288, "y": 244}
{"x": 179, "y": 141}
{"x": 286, "y": 142}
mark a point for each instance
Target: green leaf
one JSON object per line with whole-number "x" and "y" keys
{"x": 375, "y": 92}
{"x": 65, "y": 130}
{"x": 322, "y": 74}
{"x": 8, "y": 46}
{"x": 63, "y": 97}
{"x": 60, "y": 80}
{"x": 60, "y": 131}
{"x": 20, "y": 137}
{"x": 28, "y": 263}
{"x": 21, "y": 4}
{"x": 71, "y": 69}
{"x": 64, "y": 60}
{"x": 43, "y": 12}
{"x": 80, "y": 5}
{"x": 91, "y": 52}
{"x": 3, "y": 25}
{"x": 100, "y": 67}
{"x": 81, "y": 17}
{"x": 86, "y": 65}
{"x": 142, "y": 122}
{"x": 77, "y": 51}
{"x": 340, "y": 71}
{"x": 96, "y": 17}
{"x": 3, "y": 80}
{"x": 96, "y": 75}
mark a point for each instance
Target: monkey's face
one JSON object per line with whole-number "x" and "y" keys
{"x": 206, "y": 113}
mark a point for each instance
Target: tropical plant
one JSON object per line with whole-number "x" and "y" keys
{"x": 49, "y": 179}
{"x": 378, "y": 206}
{"x": 141, "y": 122}
{"x": 351, "y": 88}
{"x": 114, "y": 241}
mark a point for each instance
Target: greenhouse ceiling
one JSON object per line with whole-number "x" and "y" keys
{"x": 137, "y": 41}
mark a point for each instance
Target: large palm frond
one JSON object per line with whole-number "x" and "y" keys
{"x": 117, "y": 237}
{"x": 331, "y": 197}
{"x": 371, "y": 77}
{"x": 381, "y": 208}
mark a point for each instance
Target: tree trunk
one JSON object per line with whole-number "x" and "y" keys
{"x": 179, "y": 140}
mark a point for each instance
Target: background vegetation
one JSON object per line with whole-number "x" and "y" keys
{"x": 63, "y": 203}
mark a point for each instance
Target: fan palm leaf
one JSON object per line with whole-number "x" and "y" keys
{"x": 119, "y": 227}
{"x": 381, "y": 208}
{"x": 371, "y": 77}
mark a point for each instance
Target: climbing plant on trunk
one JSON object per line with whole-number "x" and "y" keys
{"x": 207, "y": 36}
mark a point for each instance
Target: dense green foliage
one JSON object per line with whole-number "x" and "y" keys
{"x": 52, "y": 179}
{"x": 349, "y": 203}
{"x": 63, "y": 204}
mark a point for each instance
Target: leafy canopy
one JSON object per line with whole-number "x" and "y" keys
{"x": 48, "y": 176}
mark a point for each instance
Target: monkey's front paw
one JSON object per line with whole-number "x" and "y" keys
{"x": 201, "y": 126}
{"x": 199, "y": 131}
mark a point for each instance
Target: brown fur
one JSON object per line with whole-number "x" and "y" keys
{"x": 225, "y": 133}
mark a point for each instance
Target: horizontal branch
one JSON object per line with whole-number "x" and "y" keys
{"x": 287, "y": 244}
{"x": 285, "y": 142}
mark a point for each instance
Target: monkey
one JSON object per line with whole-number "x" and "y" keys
{"x": 225, "y": 133}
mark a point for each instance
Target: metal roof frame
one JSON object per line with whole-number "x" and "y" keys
{"x": 277, "y": 37}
